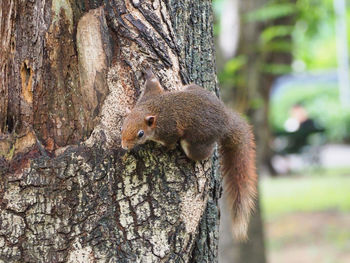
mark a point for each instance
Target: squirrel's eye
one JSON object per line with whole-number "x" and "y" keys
{"x": 140, "y": 133}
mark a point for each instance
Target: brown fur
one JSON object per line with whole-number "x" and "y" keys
{"x": 198, "y": 119}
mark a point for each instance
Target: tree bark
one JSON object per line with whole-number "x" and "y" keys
{"x": 70, "y": 71}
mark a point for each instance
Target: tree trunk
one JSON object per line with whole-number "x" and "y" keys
{"x": 70, "y": 70}
{"x": 251, "y": 95}
{"x": 240, "y": 95}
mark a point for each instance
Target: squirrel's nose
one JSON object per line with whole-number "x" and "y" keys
{"x": 125, "y": 147}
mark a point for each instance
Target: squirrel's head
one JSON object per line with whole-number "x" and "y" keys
{"x": 138, "y": 127}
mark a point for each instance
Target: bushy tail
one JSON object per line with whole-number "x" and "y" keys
{"x": 237, "y": 150}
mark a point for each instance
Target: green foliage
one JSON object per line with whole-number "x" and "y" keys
{"x": 273, "y": 32}
{"x": 256, "y": 103}
{"x": 322, "y": 103}
{"x": 276, "y": 39}
{"x": 276, "y": 69}
{"x": 316, "y": 49}
{"x": 229, "y": 74}
{"x": 312, "y": 36}
{"x": 274, "y": 10}
{"x": 218, "y": 7}
{"x": 313, "y": 13}
{"x": 314, "y": 42}
{"x": 278, "y": 46}
{"x": 311, "y": 40}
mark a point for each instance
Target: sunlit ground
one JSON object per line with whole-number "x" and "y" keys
{"x": 307, "y": 217}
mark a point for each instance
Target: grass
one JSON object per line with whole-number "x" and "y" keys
{"x": 305, "y": 194}
{"x": 307, "y": 217}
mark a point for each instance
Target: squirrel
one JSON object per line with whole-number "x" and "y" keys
{"x": 198, "y": 119}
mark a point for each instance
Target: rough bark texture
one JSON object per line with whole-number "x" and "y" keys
{"x": 70, "y": 70}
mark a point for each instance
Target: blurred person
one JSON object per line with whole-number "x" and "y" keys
{"x": 299, "y": 126}
{"x": 296, "y": 140}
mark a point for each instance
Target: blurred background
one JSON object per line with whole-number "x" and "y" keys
{"x": 285, "y": 66}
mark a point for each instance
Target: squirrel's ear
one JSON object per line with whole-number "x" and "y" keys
{"x": 150, "y": 120}
{"x": 152, "y": 86}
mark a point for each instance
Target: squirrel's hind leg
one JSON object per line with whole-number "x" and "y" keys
{"x": 197, "y": 151}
